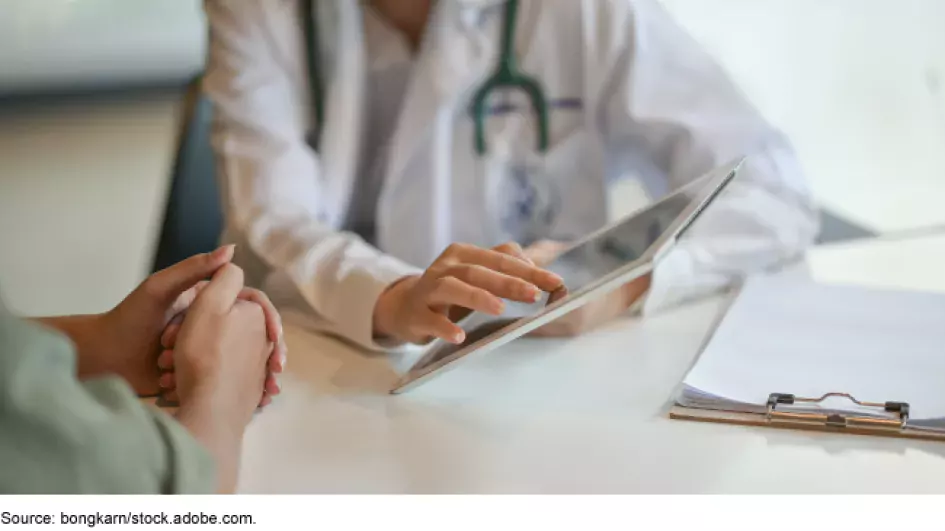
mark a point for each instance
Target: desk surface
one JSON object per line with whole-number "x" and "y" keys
{"x": 586, "y": 415}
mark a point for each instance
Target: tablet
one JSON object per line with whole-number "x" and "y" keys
{"x": 594, "y": 266}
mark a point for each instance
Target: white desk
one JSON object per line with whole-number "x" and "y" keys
{"x": 579, "y": 416}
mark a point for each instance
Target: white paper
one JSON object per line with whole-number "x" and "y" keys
{"x": 792, "y": 335}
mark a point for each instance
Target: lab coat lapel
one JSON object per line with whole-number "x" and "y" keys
{"x": 459, "y": 51}
{"x": 342, "y": 60}
{"x": 341, "y": 41}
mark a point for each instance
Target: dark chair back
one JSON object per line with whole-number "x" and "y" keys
{"x": 193, "y": 218}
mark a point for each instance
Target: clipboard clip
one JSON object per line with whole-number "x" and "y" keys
{"x": 836, "y": 420}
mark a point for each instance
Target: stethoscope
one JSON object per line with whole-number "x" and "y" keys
{"x": 507, "y": 75}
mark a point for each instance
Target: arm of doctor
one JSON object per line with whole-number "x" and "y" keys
{"x": 669, "y": 103}
{"x": 464, "y": 278}
{"x": 279, "y": 206}
{"x": 595, "y": 312}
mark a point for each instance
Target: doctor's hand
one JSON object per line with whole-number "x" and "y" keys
{"x": 592, "y": 314}
{"x": 463, "y": 279}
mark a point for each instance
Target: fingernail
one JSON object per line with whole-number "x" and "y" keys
{"x": 459, "y": 337}
{"x": 536, "y": 296}
{"x": 224, "y": 252}
{"x": 555, "y": 278}
{"x": 165, "y": 381}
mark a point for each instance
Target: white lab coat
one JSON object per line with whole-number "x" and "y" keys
{"x": 654, "y": 106}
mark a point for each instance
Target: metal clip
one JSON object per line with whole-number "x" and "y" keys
{"x": 836, "y": 420}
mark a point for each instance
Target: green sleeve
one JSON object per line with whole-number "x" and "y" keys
{"x": 61, "y": 436}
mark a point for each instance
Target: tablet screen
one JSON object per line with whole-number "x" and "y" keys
{"x": 583, "y": 265}
{"x": 619, "y": 245}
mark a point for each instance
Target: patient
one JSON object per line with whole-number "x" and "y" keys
{"x": 70, "y": 415}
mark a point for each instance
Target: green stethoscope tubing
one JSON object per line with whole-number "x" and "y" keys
{"x": 506, "y": 75}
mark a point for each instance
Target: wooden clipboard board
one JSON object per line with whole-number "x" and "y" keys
{"x": 807, "y": 422}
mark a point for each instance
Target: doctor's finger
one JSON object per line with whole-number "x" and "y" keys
{"x": 513, "y": 249}
{"x": 432, "y": 324}
{"x": 513, "y": 267}
{"x": 544, "y": 252}
{"x": 452, "y": 291}
{"x": 496, "y": 283}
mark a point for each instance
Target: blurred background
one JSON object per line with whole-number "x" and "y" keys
{"x": 95, "y": 114}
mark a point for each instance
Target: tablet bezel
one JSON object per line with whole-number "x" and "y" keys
{"x": 605, "y": 284}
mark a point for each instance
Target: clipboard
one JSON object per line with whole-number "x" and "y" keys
{"x": 776, "y": 415}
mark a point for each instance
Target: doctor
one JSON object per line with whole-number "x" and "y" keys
{"x": 357, "y": 141}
